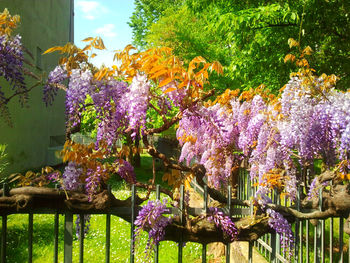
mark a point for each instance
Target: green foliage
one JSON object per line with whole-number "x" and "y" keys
{"x": 249, "y": 38}
{"x": 89, "y": 120}
{"x": 3, "y": 155}
{"x": 146, "y": 13}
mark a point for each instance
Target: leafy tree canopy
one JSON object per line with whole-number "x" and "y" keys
{"x": 248, "y": 37}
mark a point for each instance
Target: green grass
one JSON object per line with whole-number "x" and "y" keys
{"x": 94, "y": 243}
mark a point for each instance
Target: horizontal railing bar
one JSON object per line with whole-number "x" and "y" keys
{"x": 117, "y": 211}
{"x": 265, "y": 245}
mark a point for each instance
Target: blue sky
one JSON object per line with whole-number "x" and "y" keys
{"x": 107, "y": 19}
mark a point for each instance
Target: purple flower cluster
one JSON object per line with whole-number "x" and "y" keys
{"x": 126, "y": 171}
{"x": 207, "y": 135}
{"x": 54, "y": 176}
{"x": 86, "y": 219}
{"x": 211, "y": 134}
{"x": 11, "y": 65}
{"x": 315, "y": 125}
{"x": 80, "y": 85}
{"x": 176, "y": 96}
{"x": 150, "y": 218}
{"x": 93, "y": 180}
{"x": 283, "y": 228}
{"x": 55, "y": 77}
{"x": 71, "y": 180}
{"x": 313, "y": 190}
{"x": 110, "y": 110}
{"x": 224, "y": 222}
{"x": 136, "y": 101}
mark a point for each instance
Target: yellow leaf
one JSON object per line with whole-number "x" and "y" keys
{"x": 216, "y": 66}
{"x": 53, "y": 49}
{"x": 156, "y": 68}
{"x": 169, "y": 89}
{"x": 292, "y": 43}
{"x": 307, "y": 50}
{"x": 198, "y": 59}
{"x": 165, "y": 82}
{"x": 160, "y": 73}
{"x": 100, "y": 45}
{"x": 289, "y": 57}
{"x": 87, "y": 39}
{"x": 87, "y": 47}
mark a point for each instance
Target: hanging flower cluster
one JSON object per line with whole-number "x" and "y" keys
{"x": 151, "y": 218}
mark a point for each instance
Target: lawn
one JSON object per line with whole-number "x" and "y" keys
{"x": 94, "y": 243}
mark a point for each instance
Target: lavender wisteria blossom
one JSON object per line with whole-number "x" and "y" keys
{"x": 71, "y": 180}
{"x": 111, "y": 109}
{"x": 11, "y": 65}
{"x": 80, "y": 85}
{"x": 283, "y": 228}
{"x": 151, "y": 218}
{"x": 126, "y": 171}
{"x": 57, "y": 76}
{"x": 224, "y": 222}
{"x": 137, "y": 99}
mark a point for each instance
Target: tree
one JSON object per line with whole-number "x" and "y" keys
{"x": 279, "y": 137}
{"x": 249, "y": 37}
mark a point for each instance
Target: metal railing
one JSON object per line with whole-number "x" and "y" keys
{"x": 120, "y": 211}
{"x": 311, "y": 244}
{"x": 314, "y": 242}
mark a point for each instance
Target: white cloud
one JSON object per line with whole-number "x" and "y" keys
{"x": 91, "y": 9}
{"x": 103, "y": 57}
{"x": 106, "y": 30}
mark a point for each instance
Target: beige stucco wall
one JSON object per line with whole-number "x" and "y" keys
{"x": 37, "y": 128}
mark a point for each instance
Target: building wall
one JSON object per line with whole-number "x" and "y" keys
{"x": 38, "y": 130}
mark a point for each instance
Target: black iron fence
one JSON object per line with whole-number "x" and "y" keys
{"x": 317, "y": 242}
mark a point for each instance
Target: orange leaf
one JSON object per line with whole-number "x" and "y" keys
{"x": 160, "y": 73}
{"x": 198, "y": 59}
{"x": 53, "y": 49}
{"x": 165, "y": 82}
{"x": 87, "y": 39}
{"x": 169, "y": 89}
{"x": 289, "y": 57}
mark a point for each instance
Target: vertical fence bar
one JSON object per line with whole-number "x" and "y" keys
{"x": 68, "y": 237}
{"x": 301, "y": 242}
{"x": 250, "y": 194}
{"x": 297, "y": 226}
{"x": 250, "y": 252}
{"x": 55, "y": 242}
{"x": 108, "y": 231}
{"x": 278, "y": 238}
{"x": 204, "y": 248}
{"x": 180, "y": 244}
{"x": 56, "y": 230}
{"x": 229, "y": 201}
{"x": 132, "y": 238}
{"x": 307, "y": 241}
{"x": 318, "y": 234}
{"x": 30, "y": 238}
{"x": 4, "y": 229}
{"x": 341, "y": 240}
{"x": 156, "y": 249}
{"x": 81, "y": 237}
{"x": 3, "y": 238}
{"x": 348, "y": 243}
{"x": 331, "y": 225}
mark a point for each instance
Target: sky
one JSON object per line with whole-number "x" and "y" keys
{"x": 107, "y": 19}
